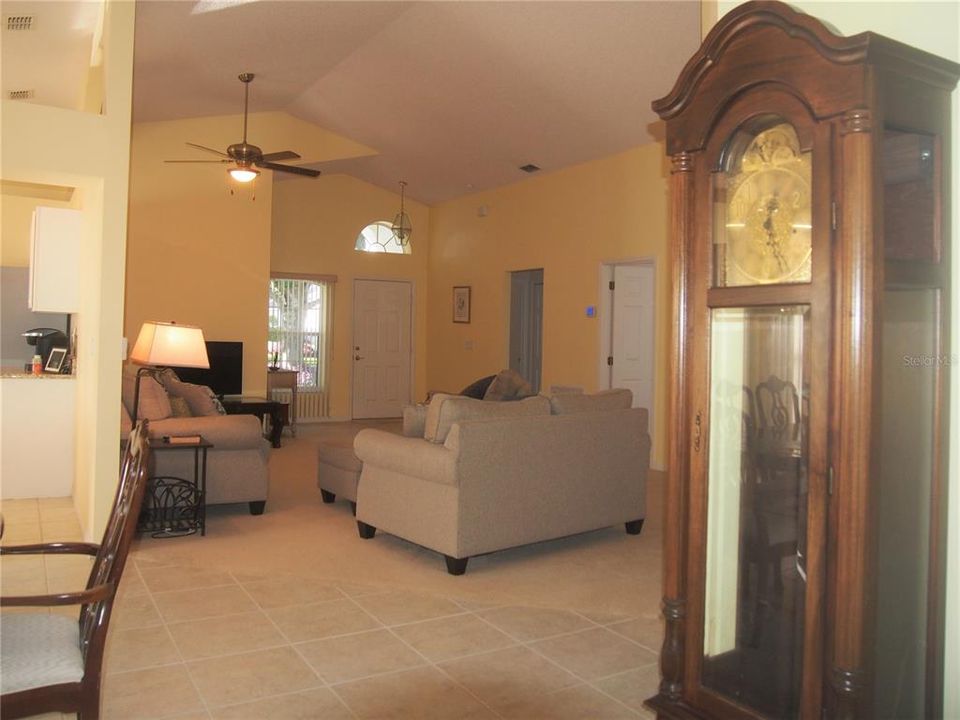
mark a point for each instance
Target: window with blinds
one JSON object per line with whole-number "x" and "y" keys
{"x": 299, "y": 328}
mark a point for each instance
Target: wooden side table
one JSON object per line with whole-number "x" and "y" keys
{"x": 280, "y": 379}
{"x": 261, "y": 407}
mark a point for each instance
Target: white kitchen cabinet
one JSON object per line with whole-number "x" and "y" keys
{"x": 55, "y": 260}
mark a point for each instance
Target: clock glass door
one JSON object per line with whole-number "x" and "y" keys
{"x": 762, "y": 223}
{"x": 757, "y": 508}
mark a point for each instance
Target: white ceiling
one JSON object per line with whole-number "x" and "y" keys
{"x": 454, "y": 95}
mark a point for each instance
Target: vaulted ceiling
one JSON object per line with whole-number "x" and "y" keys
{"x": 454, "y": 96}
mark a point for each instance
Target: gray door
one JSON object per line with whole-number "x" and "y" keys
{"x": 526, "y": 324}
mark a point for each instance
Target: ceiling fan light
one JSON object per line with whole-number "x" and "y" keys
{"x": 243, "y": 175}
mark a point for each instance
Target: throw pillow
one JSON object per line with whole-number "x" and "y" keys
{"x": 479, "y": 388}
{"x": 566, "y": 403}
{"x": 179, "y": 406}
{"x": 508, "y": 385}
{"x": 200, "y": 398}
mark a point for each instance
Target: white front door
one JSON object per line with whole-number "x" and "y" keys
{"x": 632, "y": 333}
{"x": 381, "y": 347}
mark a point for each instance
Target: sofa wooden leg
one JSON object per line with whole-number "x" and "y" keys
{"x": 634, "y": 526}
{"x": 327, "y": 496}
{"x": 366, "y": 531}
{"x": 456, "y": 566}
{"x": 257, "y": 507}
{"x": 353, "y": 507}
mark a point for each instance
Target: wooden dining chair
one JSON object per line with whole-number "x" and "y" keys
{"x": 50, "y": 662}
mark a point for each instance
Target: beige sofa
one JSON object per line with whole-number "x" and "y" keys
{"x": 237, "y": 464}
{"x": 490, "y": 476}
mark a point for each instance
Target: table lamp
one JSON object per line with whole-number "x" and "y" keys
{"x": 162, "y": 344}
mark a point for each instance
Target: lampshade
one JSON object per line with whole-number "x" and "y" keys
{"x": 244, "y": 175}
{"x": 169, "y": 344}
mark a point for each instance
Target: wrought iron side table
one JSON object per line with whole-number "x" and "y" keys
{"x": 176, "y": 506}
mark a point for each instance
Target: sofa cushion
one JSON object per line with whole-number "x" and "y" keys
{"x": 414, "y": 420}
{"x": 153, "y": 404}
{"x": 566, "y": 403}
{"x": 445, "y": 410}
{"x": 508, "y": 385}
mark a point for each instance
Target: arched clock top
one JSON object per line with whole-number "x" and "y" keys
{"x": 731, "y": 62}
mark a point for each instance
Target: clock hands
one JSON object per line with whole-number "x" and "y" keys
{"x": 773, "y": 242}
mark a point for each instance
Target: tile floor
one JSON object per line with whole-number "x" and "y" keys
{"x": 192, "y": 638}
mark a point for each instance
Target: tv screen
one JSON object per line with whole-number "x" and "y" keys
{"x": 225, "y": 375}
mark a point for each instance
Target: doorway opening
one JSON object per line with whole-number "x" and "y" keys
{"x": 526, "y": 325}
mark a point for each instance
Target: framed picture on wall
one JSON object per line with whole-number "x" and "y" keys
{"x": 461, "y": 303}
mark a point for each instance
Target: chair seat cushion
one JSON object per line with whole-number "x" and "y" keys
{"x": 38, "y": 649}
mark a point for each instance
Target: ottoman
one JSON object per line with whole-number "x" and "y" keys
{"x": 338, "y": 472}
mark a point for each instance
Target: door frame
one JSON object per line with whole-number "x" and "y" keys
{"x": 604, "y": 310}
{"x": 413, "y": 327}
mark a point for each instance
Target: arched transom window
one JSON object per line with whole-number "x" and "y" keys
{"x": 378, "y": 237}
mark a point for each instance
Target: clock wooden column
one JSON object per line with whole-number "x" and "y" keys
{"x": 805, "y": 524}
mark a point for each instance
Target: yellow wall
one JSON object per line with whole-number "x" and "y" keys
{"x": 568, "y": 223}
{"x": 315, "y": 226}
{"x": 197, "y": 254}
{"x": 53, "y": 146}
{"x": 934, "y": 27}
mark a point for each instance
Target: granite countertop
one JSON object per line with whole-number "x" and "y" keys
{"x": 7, "y": 373}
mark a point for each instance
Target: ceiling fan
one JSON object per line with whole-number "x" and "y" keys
{"x": 247, "y": 157}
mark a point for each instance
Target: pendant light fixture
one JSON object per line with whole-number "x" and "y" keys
{"x": 401, "y": 223}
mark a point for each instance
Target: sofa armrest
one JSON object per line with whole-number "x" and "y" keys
{"x": 410, "y": 456}
{"x": 226, "y": 432}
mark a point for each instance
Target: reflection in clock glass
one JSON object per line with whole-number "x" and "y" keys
{"x": 762, "y": 231}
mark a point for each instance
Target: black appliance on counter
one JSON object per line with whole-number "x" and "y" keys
{"x": 45, "y": 340}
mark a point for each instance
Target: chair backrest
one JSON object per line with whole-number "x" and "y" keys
{"x": 112, "y": 555}
{"x": 778, "y": 406}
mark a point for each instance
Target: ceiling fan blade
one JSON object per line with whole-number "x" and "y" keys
{"x": 207, "y": 149}
{"x": 198, "y": 161}
{"x": 282, "y": 155}
{"x": 289, "y": 168}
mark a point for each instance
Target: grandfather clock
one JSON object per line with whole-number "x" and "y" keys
{"x": 805, "y": 507}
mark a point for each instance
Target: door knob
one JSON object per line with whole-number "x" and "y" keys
{"x": 357, "y": 357}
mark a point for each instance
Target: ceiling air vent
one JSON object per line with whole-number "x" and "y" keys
{"x": 19, "y": 22}
{"x": 529, "y": 168}
{"x": 21, "y": 94}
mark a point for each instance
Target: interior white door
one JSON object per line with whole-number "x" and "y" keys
{"x": 381, "y": 347}
{"x": 632, "y": 333}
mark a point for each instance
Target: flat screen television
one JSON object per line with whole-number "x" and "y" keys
{"x": 225, "y": 375}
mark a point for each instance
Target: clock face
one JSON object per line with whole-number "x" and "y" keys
{"x": 767, "y": 228}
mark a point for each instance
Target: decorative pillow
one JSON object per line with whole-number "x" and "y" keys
{"x": 508, "y": 385}
{"x": 479, "y": 388}
{"x": 453, "y": 409}
{"x": 566, "y": 403}
{"x": 200, "y": 398}
{"x": 179, "y": 406}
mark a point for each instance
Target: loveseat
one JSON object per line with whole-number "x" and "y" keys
{"x": 489, "y": 476}
{"x": 237, "y": 464}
